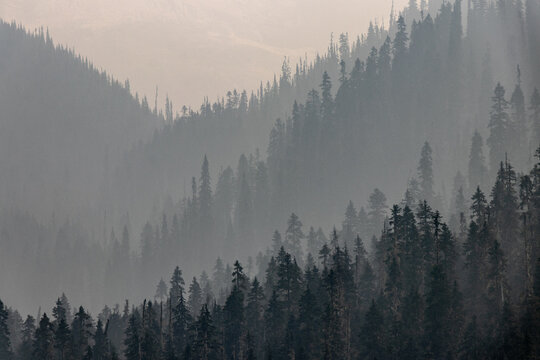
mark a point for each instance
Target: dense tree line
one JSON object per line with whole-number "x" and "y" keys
{"x": 422, "y": 290}
{"x": 347, "y": 123}
{"x": 430, "y": 75}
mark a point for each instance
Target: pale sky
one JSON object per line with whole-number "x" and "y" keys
{"x": 193, "y": 48}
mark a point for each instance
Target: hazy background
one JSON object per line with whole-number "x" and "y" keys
{"x": 196, "y": 48}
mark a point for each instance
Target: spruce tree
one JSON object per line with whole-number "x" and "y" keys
{"x": 132, "y": 340}
{"x": 535, "y": 118}
{"x": 28, "y": 331}
{"x": 5, "y": 344}
{"x": 377, "y": 212}
{"x": 81, "y": 330}
{"x": 205, "y": 202}
{"x": 373, "y": 334}
{"x": 195, "y": 296}
{"x": 43, "y": 348}
{"x": 204, "y": 344}
{"x": 293, "y": 237}
{"x": 477, "y": 167}
{"x": 437, "y": 313}
{"x": 62, "y": 336}
{"x": 498, "y": 126}
{"x": 425, "y": 174}
{"x": 518, "y": 134}
{"x": 181, "y": 322}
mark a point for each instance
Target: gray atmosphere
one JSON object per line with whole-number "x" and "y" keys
{"x": 256, "y": 149}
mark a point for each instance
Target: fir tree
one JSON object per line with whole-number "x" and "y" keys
{"x": 43, "y": 348}
{"x": 477, "y": 167}
{"x": 195, "y": 296}
{"x": 132, "y": 340}
{"x": 425, "y": 174}
{"x": 498, "y": 126}
{"x": 5, "y": 345}
{"x": 293, "y": 237}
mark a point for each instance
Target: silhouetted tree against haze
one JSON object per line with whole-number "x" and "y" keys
{"x": 44, "y": 340}
{"x": 377, "y": 206}
{"x": 477, "y": 166}
{"x": 425, "y": 174}
{"x": 498, "y": 126}
{"x": 442, "y": 265}
{"x": 293, "y": 237}
{"x": 5, "y": 345}
{"x": 535, "y": 118}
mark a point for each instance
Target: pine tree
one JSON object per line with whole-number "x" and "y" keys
{"x": 81, "y": 330}
{"x": 195, "y": 296}
{"x": 233, "y": 312}
{"x": 43, "y": 348}
{"x": 243, "y": 216}
{"x": 366, "y": 286}
{"x": 181, "y": 323}
{"x": 161, "y": 291}
{"x": 177, "y": 286}
{"x": 504, "y": 212}
{"x": 132, "y": 340}
{"x": 150, "y": 343}
{"x": 437, "y": 313}
{"x": 205, "y": 201}
{"x": 377, "y": 206}
{"x": 477, "y": 167}
{"x": 204, "y": 344}
{"x": 288, "y": 281}
{"x": 5, "y": 344}
{"x": 400, "y": 42}
{"x": 412, "y": 315}
{"x": 100, "y": 350}
{"x": 336, "y": 335}
{"x": 62, "y": 336}
{"x": 373, "y": 335}
{"x": 349, "y": 229}
{"x": 26, "y": 347}
{"x": 411, "y": 251}
{"x": 518, "y": 125}
{"x": 498, "y": 126}
{"x": 425, "y": 174}
{"x": 254, "y": 315}
{"x": 535, "y": 118}
{"x": 309, "y": 325}
{"x": 274, "y": 319}
{"x": 293, "y": 237}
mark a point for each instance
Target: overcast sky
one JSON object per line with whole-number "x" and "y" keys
{"x": 193, "y": 48}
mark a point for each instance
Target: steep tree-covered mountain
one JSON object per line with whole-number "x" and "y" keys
{"x": 430, "y": 77}
{"x": 330, "y": 133}
{"x": 64, "y": 125}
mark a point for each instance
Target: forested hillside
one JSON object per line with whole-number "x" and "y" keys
{"x": 430, "y": 77}
{"x": 85, "y": 185}
{"x": 422, "y": 291}
{"x": 65, "y": 124}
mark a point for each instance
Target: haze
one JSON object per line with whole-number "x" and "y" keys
{"x": 191, "y": 49}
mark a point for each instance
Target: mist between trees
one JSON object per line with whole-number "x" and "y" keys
{"x": 99, "y": 201}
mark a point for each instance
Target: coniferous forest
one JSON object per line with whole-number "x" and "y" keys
{"x": 379, "y": 201}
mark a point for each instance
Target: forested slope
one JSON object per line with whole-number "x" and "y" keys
{"x": 430, "y": 77}
{"x": 64, "y": 125}
{"x": 422, "y": 291}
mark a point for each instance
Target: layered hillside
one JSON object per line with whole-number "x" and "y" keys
{"x": 64, "y": 125}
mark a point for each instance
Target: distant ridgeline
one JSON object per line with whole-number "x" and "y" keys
{"x": 422, "y": 291}
{"x": 77, "y": 155}
{"x": 359, "y": 126}
{"x": 64, "y": 126}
